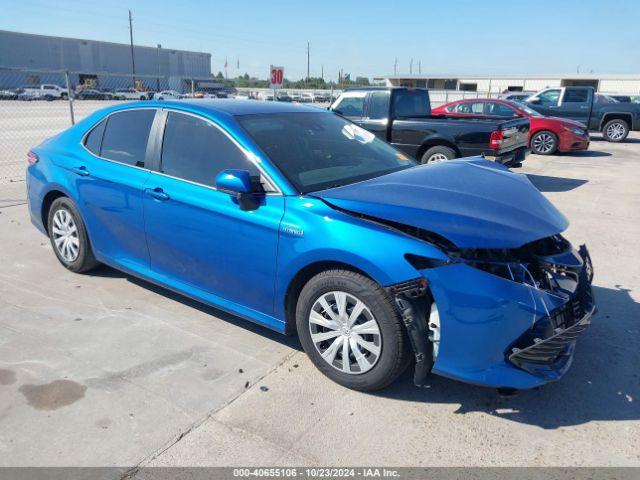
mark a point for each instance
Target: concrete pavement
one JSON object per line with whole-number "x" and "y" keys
{"x": 104, "y": 369}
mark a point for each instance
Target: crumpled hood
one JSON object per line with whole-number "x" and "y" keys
{"x": 473, "y": 203}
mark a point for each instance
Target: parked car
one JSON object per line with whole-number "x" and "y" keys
{"x": 167, "y": 95}
{"x": 295, "y": 96}
{"x": 130, "y": 94}
{"x": 621, "y": 98}
{"x": 402, "y": 116}
{"x": 317, "y": 226}
{"x": 28, "y": 94}
{"x": 92, "y": 94}
{"x": 242, "y": 96}
{"x": 516, "y": 96}
{"x": 306, "y": 97}
{"x": 321, "y": 97}
{"x": 547, "y": 135}
{"x": 8, "y": 95}
{"x": 47, "y": 91}
{"x": 283, "y": 96}
{"x": 265, "y": 96}
{"x": 582, "y": 104}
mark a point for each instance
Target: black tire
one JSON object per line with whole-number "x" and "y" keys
{"x": 85, "y": 260}
{"x": 64, "y": 96}
{"x": 544, "y": 143}
{"x": 439, "y": 152}
{"x": 615, "y": 130}
{"x": 393, "y": 342}
{"x": 142, "y": 97}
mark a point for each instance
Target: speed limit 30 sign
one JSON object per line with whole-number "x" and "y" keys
{"x": 277, "y": 77}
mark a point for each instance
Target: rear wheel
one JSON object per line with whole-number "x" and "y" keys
{"x": 615, "y": 130}
{"x": 544, "y": 143}
{"x": 68, "y": 236}
{"x": 439, "y": 153}
{"x": 350, "y": 329}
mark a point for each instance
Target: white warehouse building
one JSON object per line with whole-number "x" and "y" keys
{"x": 496, "y": 84}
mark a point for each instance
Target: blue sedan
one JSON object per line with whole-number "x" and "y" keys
{"x": 297, "y": 219}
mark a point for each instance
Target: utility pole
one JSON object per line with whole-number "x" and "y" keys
{"x": 395, "y": 66}
{"x": 411, "y": 67}
{"x": 307, "y": 61}
{"x": 133, "y": 62}
{"x": 322, "y": 72}
{"x": 158, "y": 81}
{"x": 420, "y": 67}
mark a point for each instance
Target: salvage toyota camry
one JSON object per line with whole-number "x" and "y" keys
{"x": 297, "y": 219}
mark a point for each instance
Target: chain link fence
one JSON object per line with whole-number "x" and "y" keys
{"x": 37, "y": 104}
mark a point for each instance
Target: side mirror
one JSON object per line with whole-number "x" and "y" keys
{"x": 238, "y": 184}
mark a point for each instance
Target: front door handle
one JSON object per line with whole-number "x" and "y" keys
{"x": 82, "y": 171}
{"x": 157, "y": 193}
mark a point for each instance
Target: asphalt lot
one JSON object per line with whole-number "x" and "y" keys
{"x": 106, "y": 370}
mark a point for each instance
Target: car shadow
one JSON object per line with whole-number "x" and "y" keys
{"x": 602, "y": 384}
{"x": 546, "y": 183}
{"x": 586, "y": 153}
{"x": 602, "y": 139}
{"x": 290, "y": 341}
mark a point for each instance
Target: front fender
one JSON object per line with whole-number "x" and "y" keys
{"x": 312, "y": 232}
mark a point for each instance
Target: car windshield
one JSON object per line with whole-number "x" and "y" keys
{"x": 526, "y": 109}
{"x": 316, "y": 151}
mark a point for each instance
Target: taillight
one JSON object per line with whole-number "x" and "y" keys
{"x": 496, "y": 139}
{"x": 32, "y": 158}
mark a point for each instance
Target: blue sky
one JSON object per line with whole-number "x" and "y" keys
{"x": 362, "y": 37}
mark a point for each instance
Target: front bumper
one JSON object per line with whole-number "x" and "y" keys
{"x": 500, "y": 333}
{"x": 570, "y": 142}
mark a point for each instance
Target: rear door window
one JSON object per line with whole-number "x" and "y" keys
{"x": 575, "y": 95}
{"x": 126, "y": 136}
{"x": 378, "y": 106}
{"x": 499, "y": 109}
{"x": 470, "y": 108}
{"x": 411, "y": 103}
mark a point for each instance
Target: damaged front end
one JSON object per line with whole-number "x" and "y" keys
{"x": 504, "y": 317}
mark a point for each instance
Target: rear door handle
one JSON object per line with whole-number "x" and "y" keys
{"x": 157, "y": 193}
{"x": 82, "y": 171}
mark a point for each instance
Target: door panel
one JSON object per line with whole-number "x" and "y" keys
{"x": 110, "y": 189}
{"x": 575, "y": 104}
{"x": 111, "y": 206}
{"x": 201, "y": 237}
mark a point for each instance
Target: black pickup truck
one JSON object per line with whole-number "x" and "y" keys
{"x": 599, "y": 113}
{"x": 402, "y": 117}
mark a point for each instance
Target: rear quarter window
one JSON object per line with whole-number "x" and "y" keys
{"x": 93, "y": 140}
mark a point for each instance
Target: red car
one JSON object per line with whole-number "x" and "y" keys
{"x": 547, "y": 135}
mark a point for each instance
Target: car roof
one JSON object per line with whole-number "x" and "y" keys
{"x": 227, "y": 106}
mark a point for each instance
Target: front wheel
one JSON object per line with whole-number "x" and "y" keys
{"x": 351, "y": 330}
{"x": 68, "y": 236}
{"x": 544, "y": 143}
{"x": 615, "y": 130}
{"x": 439, "y": 153}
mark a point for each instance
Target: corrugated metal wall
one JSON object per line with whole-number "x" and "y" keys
{"x": 20, "y": 50}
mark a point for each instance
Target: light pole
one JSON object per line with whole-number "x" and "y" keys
{"x": 158, "y": 79}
